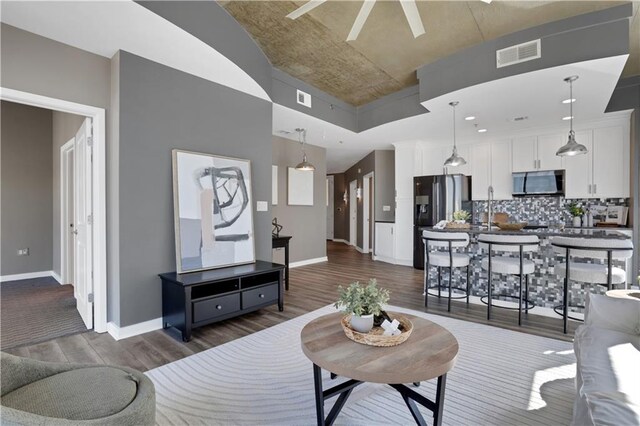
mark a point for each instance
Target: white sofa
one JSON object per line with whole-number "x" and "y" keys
{"x": 607, "y": 349}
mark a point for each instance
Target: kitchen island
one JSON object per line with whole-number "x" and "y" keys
{"x": 545, "y": 287}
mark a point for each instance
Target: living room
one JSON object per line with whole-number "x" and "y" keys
{"x": 236, "y": 102}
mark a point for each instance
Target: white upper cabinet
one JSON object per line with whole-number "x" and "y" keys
{"x": 405, "y": 156}
{"x": 610, "y": 163}
{"x": 432, "y": 161}
{"x": 548, "y": 145}
{"x": 535, "y": 153}
{"x": 578, "y": 169}
{"x": 480, "y": 160}
{"x": 523, "y": 154}
{"x": 501, "y": 178}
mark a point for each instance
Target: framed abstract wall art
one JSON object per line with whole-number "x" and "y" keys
{"x": 213, "y": 212}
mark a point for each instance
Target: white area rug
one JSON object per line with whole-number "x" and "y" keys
{"x": 501, "y": 377}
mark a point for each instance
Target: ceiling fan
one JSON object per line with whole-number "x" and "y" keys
{"x": 408, "y": 6}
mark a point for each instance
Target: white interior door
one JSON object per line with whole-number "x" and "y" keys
{"x": 82, "y": 219}
{"x": 330, "y": 207}
{"x": 353, "y": 213}
{"x": 366, "y": 220}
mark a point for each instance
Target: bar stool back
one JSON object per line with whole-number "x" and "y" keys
{"x": 506, "y": 264}
{"x": 447, "y": 258}
{"x": 608, "y": 249}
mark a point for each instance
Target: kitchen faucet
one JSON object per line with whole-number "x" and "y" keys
{"x": 489, "y": 208}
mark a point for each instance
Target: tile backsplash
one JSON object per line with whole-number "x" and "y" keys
{"x": 540, "y": 210}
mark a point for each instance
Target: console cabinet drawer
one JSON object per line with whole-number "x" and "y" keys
{"x": 215, "y": 307}
{"x": 258, "y": 296}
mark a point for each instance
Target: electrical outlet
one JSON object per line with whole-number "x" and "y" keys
{"x": 23, "y": 252}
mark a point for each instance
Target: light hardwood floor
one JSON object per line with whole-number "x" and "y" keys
{"x": 311, "y": 287}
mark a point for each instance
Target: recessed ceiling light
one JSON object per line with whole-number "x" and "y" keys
{"x": 567, "y": 118}
{"x": 469, "y": 118}
{"x": 569, "y": 101}
{"x": 340, "y": 141}
{"x": 482, "y": 130}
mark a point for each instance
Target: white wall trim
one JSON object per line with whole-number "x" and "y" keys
{"x": 120, "y": 333}
{"x": 308, "y": 262}
{"x": 64, "y": 219}
{"x": 27, "y": 276}
{"x": 361, "y": 250}
{"x": 99, "y": 180}
{"x": 340, "y": 240}
{"x": 57, "y": 277}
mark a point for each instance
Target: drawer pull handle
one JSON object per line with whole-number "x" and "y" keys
{"x": 219, "y": 307}
{"x": 261, "y": 296}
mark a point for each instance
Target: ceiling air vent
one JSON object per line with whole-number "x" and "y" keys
{"x": 518, "y": 53}
{"x": 303, "y": 98}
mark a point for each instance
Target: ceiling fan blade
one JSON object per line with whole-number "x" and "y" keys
{"x": 413, "y": 16}
{"x": 360, "y": 19}
{"x": 486, "y": 1}
{"x": 310, "y": 5}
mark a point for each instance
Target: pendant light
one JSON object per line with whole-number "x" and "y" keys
{"x": 305, "y": 165}
{"x": 572, "y": 147}
{"x": 455, "y": 159}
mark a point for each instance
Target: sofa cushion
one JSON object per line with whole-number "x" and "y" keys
{"x": 613, "y": 313}
{"x": 82, "y": 394}
{"x": 609, "y": 375}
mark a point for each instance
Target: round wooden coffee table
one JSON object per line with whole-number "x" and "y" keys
{"x": 429, "y": 353}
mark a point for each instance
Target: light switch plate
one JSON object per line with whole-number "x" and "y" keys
{"x": 262, "y": 206}
{"x": 386, "y": 208}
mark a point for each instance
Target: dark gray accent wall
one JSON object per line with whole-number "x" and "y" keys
{"x": 160, "y": 109}
{"x": 323, "y": 106}
{"x": 35, "y": 64}
{"x": 626, "y": 96}
{"x": 340, "y": 207}
{"x": 385, "y": 188}
{"x": 26, "y": 190}
{"x": 581, "y": 38}
{"x": 306, "y": 224}
{"x": 65, "y": 126}
{"x": 208, "y": 21}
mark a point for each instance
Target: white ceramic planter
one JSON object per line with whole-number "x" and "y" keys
{"x": 577, "y": 221}
{"x": 363, "y": 324}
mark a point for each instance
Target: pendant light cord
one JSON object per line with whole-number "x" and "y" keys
{"x": 454, "y": 127}
{"x": 571, "y": 103}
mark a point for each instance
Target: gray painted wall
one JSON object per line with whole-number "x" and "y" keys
{"x": 65, "y": 126}
{"x": 208, "y": 21}
{"x": 27, "y": 195}
{"x": 306, "y": 224}
{"x": 42, "y": 66}
{"x": 340, "y": 208}
{"x": 581, "y": 38}
{"x": 385, "y": 188}
{"x": 161, "y": 109}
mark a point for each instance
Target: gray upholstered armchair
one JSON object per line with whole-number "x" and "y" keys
{"x": 35, "y": 392}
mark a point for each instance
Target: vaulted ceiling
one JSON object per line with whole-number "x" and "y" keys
{"x": 385, "y": 55}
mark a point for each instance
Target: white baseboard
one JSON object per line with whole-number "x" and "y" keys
{"x": 27, "y": 276}
{"x": 339, "y": 240}
{"x": 119, "y": 333}
{"x": 361, "y": 250}
{"x": 384, "y": 259}
{"x": 308, "y": 262}
{"x": 404, "y": 262}
{"x": 57, "y": 277}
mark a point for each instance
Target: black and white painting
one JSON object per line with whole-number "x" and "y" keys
{"x": 212, "y": 211}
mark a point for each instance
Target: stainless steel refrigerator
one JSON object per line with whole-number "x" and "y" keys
{"x": 435, "y": 199}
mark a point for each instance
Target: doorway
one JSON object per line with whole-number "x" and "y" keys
{"x": 367, "y": 212}
{"x": 89, "y": 168}
{"x": 353, "y": 213}
{"x": 330, "y": 201}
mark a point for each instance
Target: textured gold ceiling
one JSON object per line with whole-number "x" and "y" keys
{"x": 385, "y": 56}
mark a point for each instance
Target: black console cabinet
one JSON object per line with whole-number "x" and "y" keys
{"x": 198, "y": 298}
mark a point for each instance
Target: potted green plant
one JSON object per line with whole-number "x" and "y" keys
{"x": 576, "y": 211}
{"x": 363, "y": 302}
{"x": 461, "y": 216}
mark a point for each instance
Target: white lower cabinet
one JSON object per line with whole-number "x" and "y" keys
{"x": 384, "y": 242}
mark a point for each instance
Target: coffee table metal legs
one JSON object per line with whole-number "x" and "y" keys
{"x": 409, "y": 396}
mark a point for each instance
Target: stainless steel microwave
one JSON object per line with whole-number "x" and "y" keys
{"x": 538, "y": 183}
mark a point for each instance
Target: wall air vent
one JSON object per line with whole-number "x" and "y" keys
{"x": 518, "y": 53}
{"x": 303, "y": 98}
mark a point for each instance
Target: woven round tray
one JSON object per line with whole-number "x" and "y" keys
{"x": 375, "y": 337}
{"x": 511, "y": 226}
{"x": 453, "y": 225}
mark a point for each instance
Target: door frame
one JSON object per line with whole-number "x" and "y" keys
{"x": 353, "y": 205}
{"x": 367, "y": 202}
{"x": 99, "y": 231}
{"x": 65, "y": 216}
{"x": 330, "y": 206}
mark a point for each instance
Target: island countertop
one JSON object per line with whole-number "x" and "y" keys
{"x": 611, "y": 233}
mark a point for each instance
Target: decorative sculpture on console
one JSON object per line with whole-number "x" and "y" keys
{"x": 276, "y": 227}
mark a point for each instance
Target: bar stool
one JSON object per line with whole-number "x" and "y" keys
{"x": 448, "y": 258}
{"x": 508, "y": 265}
{"x": 608, "y": 249}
